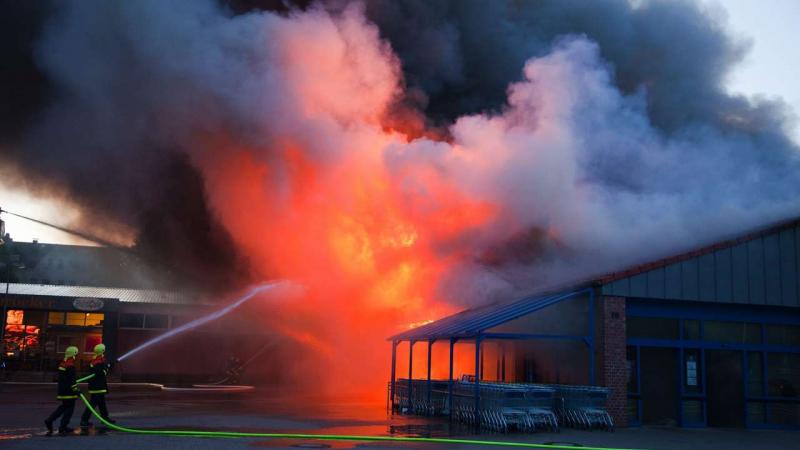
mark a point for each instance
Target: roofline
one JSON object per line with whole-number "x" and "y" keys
{"x": 663, "y": 262}
{"x": 112, "y": 293}
{"x": 598, "y": 281}
{"x": 540, "y": 294}
{"x": 52, "y": 244}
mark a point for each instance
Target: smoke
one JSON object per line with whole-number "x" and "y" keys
{"x": 404, "y": 159}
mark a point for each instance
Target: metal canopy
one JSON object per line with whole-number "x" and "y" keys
{"x": 125, "y": 295}
{"x": 474, "y": 321}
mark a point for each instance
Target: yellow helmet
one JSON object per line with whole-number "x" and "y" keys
{"x": 70, "y": 352}
{"x": 99, "y": 349}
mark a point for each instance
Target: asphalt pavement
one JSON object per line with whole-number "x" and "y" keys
{"x": 24, "y": 407}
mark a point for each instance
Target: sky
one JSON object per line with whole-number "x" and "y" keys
{"x": 771, "y": 69}
{"x": 21, "y": 202}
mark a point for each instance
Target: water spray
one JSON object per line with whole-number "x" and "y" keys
{"x": 208, "y": 318}
{"x": 327, "y": 437}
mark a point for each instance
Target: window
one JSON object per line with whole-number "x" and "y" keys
{"x": 756, "y": 412}
{"x": 131, "y": 320}
{"x": 755, "y": 378}
{"x": 94, "y": 319}
{"x": 55, "y": 318}
{"x": 783, "y": 374}
{"x": 80, "y": 319}
{"x": 692, "y": 411}
{"x": 76, "y": 319}
{"x": 652, "y": 327}
{"x": 91, "y": 341}
{"x": 64, "y": 342}
{"x": 691, "y": 330}
{"x": 783, "y": 335}
{"x": 732, "y": 332}
{"x": 22, "y": 332}
{"x": 156, "y": 321}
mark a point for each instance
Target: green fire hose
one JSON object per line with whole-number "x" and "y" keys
{"x": 323, "y": 437}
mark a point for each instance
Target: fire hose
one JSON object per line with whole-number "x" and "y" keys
{"x": 323, "y": 437}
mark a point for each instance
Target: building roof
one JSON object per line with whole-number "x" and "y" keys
{"x": 82, "y": 265}
{"x": 719, "y": 245}
{"x": 471, "y": 322}
{"x": 125, "y": 295}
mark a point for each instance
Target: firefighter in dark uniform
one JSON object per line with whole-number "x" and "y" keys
{"x": 98, "y": 388}
{"x": 67, "y": 393}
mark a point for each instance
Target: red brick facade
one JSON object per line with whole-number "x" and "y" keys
{"x": 610, "y": 356}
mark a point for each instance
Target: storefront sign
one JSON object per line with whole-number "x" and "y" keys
{"x": 88, "y": 304}
{"x": 29, "y": 302}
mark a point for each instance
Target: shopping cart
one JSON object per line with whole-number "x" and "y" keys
{"x": 583, "y": 407}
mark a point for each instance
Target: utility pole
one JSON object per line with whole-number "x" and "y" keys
{"x": 5, "y": 298}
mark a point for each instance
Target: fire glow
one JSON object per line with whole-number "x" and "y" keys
{"x": 318, "y": 161}
{"x": 370, "y": 240}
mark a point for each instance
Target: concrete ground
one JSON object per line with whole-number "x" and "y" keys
{"x": 25, "y": 406}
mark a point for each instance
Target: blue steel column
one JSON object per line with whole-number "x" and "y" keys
{"x": 450, "y": 380}
{"x": 705, "y": 387}
{"x": 430, "y": 347}
{"x": 681, "y": 372}
{"x": 394, "y": 370}
{"x": 478, "y": 340}
{"x": 410, "y": 365}
{"x": 745, "y": 377}
{"x": 591, "y": 338}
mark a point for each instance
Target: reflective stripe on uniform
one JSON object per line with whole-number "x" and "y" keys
{"x": 99, "y": 391}
{"x": 66, "y": 397}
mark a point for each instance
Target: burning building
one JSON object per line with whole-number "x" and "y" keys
{"x": 402, "y": 160}
{"x": 706, "y": 338}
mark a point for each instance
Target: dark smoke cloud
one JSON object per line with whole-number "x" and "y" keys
{"x": 23, "y": 86}
{"x": 464, "y": 53}
{"x": 65, "y": 134}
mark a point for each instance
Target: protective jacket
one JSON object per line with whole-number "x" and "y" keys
{"x": 66, "y": 380}
{"x": 97, "y": 377}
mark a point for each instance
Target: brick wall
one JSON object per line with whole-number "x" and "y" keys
{"x": 610, "y": 355}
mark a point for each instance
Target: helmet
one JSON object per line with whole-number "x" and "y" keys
{"x": 70, "y": 352}
{"x": 99, "y": 349}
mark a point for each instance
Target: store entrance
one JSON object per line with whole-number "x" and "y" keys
{"x": 659, "y": 384}
{"x": 725, "y": 388}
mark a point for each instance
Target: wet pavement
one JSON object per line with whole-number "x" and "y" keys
{"x": 23, "y": 407}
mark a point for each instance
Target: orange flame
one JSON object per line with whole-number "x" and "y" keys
{"x": 326, "y": 211}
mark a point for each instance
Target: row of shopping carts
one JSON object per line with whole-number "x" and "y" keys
{"x": 583, "y": 407}
{"x": 505, "y": 407}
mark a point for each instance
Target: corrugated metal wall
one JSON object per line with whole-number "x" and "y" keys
{"x": 762, "y": 271}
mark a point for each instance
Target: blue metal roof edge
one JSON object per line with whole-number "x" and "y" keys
{"x": 473, "y": 321}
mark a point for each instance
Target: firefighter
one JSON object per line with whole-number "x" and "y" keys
{"x": 98, "y": 388}
{"x": 67, "y": 393}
